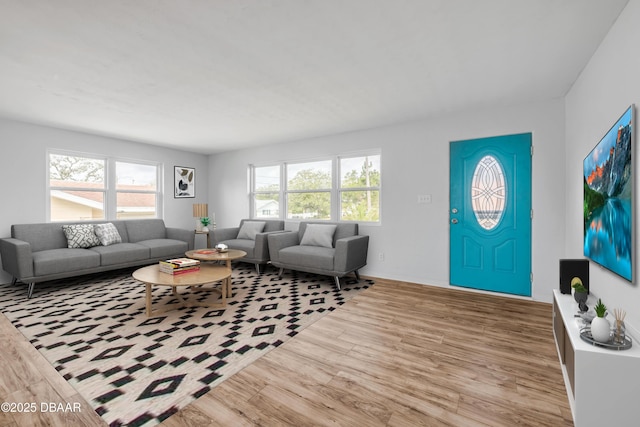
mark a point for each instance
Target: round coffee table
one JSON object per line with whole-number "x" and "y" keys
{"x": 208, "y": 274}
{"x": 214, "y": 255}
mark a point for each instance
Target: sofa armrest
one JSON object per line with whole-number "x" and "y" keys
{"x": 281, "y": 240}
{"x": 261, "y": 247}
{"x": 185, "y": 235}
{"x": 16, "y": 257}
{"x": 351, "y": 253}
{"x": 221, "y": 234}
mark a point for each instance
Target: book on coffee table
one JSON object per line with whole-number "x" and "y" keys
{"x": 206, "y": 251}
{"x": 179, "y": 265}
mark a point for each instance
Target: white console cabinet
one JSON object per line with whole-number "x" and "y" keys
{"x": 602, "y": 385}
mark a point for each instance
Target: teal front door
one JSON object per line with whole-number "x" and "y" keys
{"x": 490, "y": 214}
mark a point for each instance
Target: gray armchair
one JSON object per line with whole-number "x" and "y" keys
{"x": 332, "y": 249}
{"x": 250, "y": 236}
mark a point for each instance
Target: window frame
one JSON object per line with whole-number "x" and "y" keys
{"x": 335, "y": 190}
{"x": 110, "y": 189}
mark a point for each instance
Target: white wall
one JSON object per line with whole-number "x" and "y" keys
{"x": 415, "y": 160}
{"x": 606, "y": 87}
{"x": 23, "y": 172}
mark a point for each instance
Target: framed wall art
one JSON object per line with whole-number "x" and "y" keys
{"x": 184, "y": 182}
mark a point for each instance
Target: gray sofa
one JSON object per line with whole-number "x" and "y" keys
{"x": 315, "y": 249}
{"x": 254, "y": 243}
{"x": 39, "y": 252}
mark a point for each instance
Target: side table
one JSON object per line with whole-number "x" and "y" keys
{"x": 208, "y": 236}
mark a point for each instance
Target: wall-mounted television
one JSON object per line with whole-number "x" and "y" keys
{"x": 608, "y": 199}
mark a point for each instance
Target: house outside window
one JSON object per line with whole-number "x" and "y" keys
{"x": 266, "y": 192}
{"x": 83, "y": 187}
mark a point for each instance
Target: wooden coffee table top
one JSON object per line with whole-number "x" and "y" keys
{"x": 214, "y": 255}
{"x": 207, "y": 274}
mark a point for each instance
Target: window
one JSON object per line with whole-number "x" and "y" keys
{"x": 82, "y": 187}
{"x": 488, "y": 192}
{"x": 266, "y": 194}
{"x": 77, "y": 188}
{"x": 309, "y": 190}
{"x": 360, "y": 188}
{"x": 136, "y": 190}
{"x": 343, "y": 188}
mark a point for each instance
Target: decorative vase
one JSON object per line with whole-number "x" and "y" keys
{"x": 619, "y": 332}
{"x": 580, "y": 296}
{"x": 205, "y": 229}
{"x": 600, "y": 329}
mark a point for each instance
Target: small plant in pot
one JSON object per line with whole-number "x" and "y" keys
{"x": 205, "y": 221}
{"x": 600, "y": 326}
{"x": 580, "y": 293}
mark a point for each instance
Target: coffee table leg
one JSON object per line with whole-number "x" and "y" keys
{"x": 229, "y": 283}
{"x": 148, "y": 286}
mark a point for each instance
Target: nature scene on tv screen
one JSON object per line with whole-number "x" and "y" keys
{"x": 607, "y": 199}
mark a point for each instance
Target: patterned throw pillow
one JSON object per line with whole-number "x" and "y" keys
{"x": 107, "y": 234}
{"x": 80, "y": 236}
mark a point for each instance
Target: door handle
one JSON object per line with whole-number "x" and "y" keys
{"x": 454, "y": 221}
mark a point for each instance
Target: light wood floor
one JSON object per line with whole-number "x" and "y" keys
{"x": 396, "y": 355}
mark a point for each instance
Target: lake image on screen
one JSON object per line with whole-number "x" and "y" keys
{"x": 607, "y": 200}
{"x": 607, "y": 240}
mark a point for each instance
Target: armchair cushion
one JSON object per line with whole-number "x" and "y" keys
{"x": 244, "y": 245}
{"x": 250, "y": 229}
{"x": 305, "y": 257}
{"x": 318, "y": 235}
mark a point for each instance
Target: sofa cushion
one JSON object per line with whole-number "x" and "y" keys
{"x": 80, "y": 236}
{"x": 63, "y": 260}
{"x": 145, "y": 229}
{"x": 318, "y": 235}
{"x": 241, "y": 244}
{"x": 121, "y": 253}
{"x": 249, "y": 229}
{"x": 107, "y": 234}
{"x": 315, "y": 257}
{"x": 161, "y": 248}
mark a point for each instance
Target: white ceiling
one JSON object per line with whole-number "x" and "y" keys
{"x": 217, "y": 75}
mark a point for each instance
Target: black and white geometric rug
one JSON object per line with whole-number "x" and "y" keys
{"x": 136, "y": 370}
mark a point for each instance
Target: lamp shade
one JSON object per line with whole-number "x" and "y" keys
{"x": 200, "y": 210}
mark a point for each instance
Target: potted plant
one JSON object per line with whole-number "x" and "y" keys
{"x": 600, "y": 327}
{"x": 580, "y": 293}
{"x": 205, "y": 221}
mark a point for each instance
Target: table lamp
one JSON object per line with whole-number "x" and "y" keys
{"x": 200, "y": 210}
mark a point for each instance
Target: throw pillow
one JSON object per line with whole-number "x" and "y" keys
{"x": 107, "y": 234}
{"x": 249, "y": 229}
{"x": 318, "y": 235}
{"x": 80, "y": 236}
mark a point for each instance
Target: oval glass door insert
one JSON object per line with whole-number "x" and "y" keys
{"x": 488, "y": 192}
